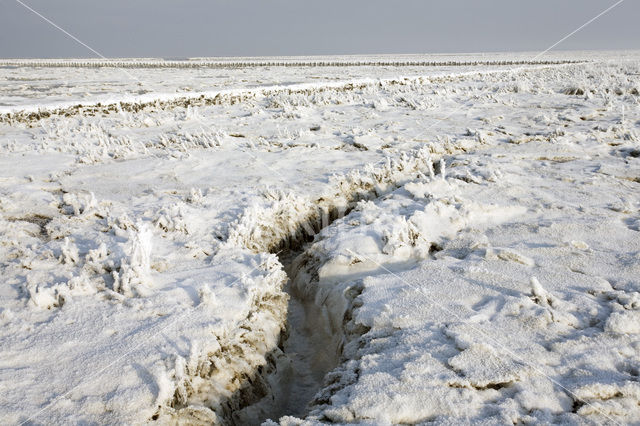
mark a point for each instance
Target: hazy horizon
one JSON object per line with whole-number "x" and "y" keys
{"x": 181, "y": 58}
{"x": 197, "y": 28}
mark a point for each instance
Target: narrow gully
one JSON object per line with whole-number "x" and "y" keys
{"x": 308, "y": 351}
{"x": 309, "y": 347}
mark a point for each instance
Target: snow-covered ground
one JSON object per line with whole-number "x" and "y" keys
{"x": 333, "y": 244}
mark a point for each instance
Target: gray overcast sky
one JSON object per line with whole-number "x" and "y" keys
{"x": 163, "y": 28}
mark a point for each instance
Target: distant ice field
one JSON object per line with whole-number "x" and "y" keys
{"x": 31, "y": 85}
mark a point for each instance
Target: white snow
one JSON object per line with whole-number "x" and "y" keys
{"x": 461, "y": 244}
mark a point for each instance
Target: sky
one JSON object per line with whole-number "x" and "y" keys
{"x": 197, "y": 28}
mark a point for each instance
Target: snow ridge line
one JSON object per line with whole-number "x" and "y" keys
{"x": 291, "y": 220}
{"x": 34, "y": 113}
{"x": 65, "y": 63}
{"x": 212, "y": 385}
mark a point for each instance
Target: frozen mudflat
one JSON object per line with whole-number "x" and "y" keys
{"x": 336, "y": 244}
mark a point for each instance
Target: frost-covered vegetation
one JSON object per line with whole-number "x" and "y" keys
{"x": 368, "y": 244}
